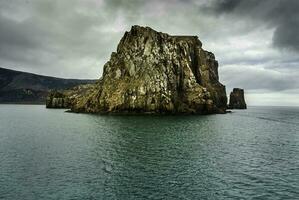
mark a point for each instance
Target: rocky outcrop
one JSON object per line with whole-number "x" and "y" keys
{"x": 237, "y": 100}
{"x": 57, "y": 99}
{"x": 153, "y": 72}
{"x": 67, "y": 98}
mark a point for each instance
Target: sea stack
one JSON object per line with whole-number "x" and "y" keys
{"x": 237, "y": 100}
{"x": 153, "y": 72}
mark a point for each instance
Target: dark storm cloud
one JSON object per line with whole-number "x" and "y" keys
{"x": 283, "y": 16}
{"x": 11, "y": 35}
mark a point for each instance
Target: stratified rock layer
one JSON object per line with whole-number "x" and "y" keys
{"x": 237, "y": 100}
{"x": 153, "y": 72}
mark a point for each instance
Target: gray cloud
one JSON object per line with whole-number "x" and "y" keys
{"x": 54, "y": 37}
{"x": 258, "y": 78}
{"x": 256, "y": 42}
{"x": 283, "y": 16}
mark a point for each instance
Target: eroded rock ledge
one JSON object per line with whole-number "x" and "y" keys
{"x": 153, "y": 72}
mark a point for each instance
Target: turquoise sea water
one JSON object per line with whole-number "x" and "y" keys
{"x": 51, "y": 154}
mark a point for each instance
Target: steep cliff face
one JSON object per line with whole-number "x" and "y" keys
{"x": 237, "y": 100}
{"x": 157, "y": 73}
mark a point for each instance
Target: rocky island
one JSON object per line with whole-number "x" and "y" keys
{"x": 151, "y": 72}
{"x": 236, "y": 99}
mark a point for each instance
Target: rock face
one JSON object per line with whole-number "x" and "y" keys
{"x": 57, "y": 99}
{"x": 237, "y": 100}
{"x": 66, "y": 98}
{"x": 153, "y": 72}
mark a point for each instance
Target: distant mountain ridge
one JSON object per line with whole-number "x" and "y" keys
{"x": 24, "y": 87}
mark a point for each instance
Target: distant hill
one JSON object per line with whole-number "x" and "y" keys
{"x": 23, "y": 87}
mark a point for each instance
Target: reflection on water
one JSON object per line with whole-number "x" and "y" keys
{"x": 50, "y": 154}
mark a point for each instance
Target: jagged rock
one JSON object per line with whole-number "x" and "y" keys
{"x": 237, "y": 100}
{"x": 157, "y": 73}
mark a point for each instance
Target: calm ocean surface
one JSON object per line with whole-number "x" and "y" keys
{"x": 51, "y": 154}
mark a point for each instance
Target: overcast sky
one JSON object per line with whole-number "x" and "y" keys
{"x": 255, "y": 42}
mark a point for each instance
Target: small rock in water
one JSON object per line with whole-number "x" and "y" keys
{"x": 237, "y": 100}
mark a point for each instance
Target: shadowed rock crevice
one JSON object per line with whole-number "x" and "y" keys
{"x": 153, "y": 72}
